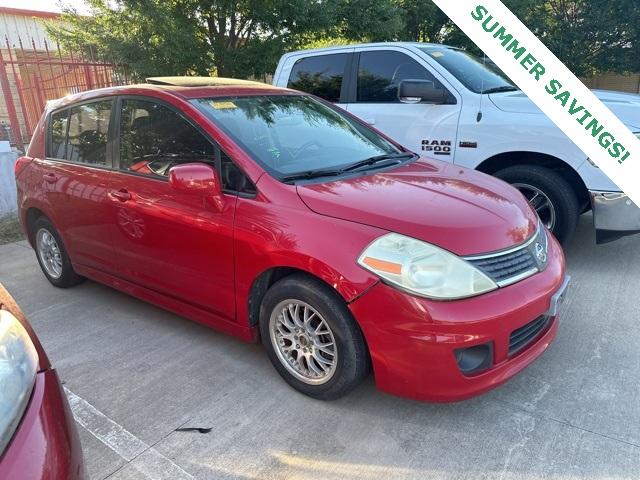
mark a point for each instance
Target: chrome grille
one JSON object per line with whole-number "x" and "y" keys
{"x": 510, "y": 266}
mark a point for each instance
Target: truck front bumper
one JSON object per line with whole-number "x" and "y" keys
{"x": 614, "y": 216}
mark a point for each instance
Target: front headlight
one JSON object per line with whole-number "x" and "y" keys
{"x": 423, "y": 269}
{"x": 18, "y": 367}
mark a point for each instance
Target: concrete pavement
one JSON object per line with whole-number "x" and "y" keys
{"x": 574, "y": 414}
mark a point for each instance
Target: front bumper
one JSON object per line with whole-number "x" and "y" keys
{"x": 614, "y": 216}
{"x": 412, "y": 340}
{"x": 46, "y": 445}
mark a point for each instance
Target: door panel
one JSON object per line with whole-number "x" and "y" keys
{"x": 176, "y": 243}
{"x": 75, "y": 179}
{"x": 427, "y": 129}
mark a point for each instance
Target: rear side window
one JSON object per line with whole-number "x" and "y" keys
{"x": 88, "y": 132}
{"x": 58, "y": 134}
{"x": 380, "y": 72}
{"x": 154, "y": 138}
{"x": 320, "y": 75}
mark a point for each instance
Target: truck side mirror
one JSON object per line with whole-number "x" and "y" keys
{"x": 416, "y": 91}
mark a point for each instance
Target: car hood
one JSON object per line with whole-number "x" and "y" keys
{"x": 626, "y": 106}
{"x": 458, "y": 209}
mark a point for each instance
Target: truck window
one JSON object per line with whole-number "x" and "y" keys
{"x": 320, "y": 75}
{"x": 381, "y": 71}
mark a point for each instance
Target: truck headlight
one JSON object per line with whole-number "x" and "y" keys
{"x": 18, "y": 368}
{"x": 423, "y": 269}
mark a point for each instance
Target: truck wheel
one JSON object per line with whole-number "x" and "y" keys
{"x": 311, "y": 338}
{"x": 549, "y": 194}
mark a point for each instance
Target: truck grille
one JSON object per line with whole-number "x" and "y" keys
{"x": 523, "y": 336}
{"x": 516, "y": 264}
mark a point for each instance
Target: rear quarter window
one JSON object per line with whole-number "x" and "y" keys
{"x": 57, "y": 134}
{"x": 320, "y": 75}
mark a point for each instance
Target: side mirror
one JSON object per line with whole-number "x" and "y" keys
{"x": 196, "y": 178}
{"x": 416, "y": 91}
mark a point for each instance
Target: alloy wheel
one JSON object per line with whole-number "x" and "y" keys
{"x": 303, "y": 342}
{"x": 49, "y": 253}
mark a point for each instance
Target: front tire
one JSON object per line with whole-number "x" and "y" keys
{"x": 52, "y": 255}
{"x": 549, "y": 195}
{"x": 311, "y": 338}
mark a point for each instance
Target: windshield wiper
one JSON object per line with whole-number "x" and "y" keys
{"x": 309, "y": 174}
{"x": 505, "y": 88}
{"x": 377, "y": 159}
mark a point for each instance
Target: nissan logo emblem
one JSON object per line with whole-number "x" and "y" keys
{"x": 541, "y": 255}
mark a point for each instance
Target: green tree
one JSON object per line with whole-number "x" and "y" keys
{"x": 229, "y": 37}
{"x": 244, "y": 38}
{"x": 423, "y": 21}
{"x": 589, "y": 36}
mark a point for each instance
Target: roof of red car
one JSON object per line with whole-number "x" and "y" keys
{"x": 185, "y": 87}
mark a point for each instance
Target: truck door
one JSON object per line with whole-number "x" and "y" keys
{"x": 424, "y": 128}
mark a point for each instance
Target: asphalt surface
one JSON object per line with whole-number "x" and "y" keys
{"x": 135, "y": 373}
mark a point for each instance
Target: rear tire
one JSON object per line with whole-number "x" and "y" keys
{"x": 52, "y": 255}
{"x": 549, "y": 194}
{"x": 312, "y": 339}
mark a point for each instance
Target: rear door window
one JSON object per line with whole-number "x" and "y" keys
{"x": 381, "y": 71}
{"x": 320, "y": 75}
{"x": 88, "y": 132}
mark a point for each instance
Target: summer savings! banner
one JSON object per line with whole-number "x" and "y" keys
{"x": 552, "y": 87}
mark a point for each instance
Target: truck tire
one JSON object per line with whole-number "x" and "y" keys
{"x": 549, "y": 194}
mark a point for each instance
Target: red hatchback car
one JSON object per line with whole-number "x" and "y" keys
{"x": 38, "y": 438}
{"x": 267, "y": 213}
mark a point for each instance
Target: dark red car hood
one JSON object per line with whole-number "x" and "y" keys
{"x": 458, "y": 209}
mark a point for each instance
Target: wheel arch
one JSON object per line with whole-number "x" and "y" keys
{"x": 270, "y": 276}
{"x": 508, "y": 159}
{"x": 30, "y": 217}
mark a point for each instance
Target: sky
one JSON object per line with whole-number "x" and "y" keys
{"x": 44, "y": 5}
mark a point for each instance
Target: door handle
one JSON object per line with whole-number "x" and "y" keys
{"x": 121, "y": 195}
{"x": 50, "y": 177}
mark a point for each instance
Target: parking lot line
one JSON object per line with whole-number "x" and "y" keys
{"x": 144, "y": 458}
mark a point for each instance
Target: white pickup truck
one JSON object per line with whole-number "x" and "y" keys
{"x": 445, "y": 103}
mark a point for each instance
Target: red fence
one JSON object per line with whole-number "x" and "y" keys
{"x": 29, "y": 77}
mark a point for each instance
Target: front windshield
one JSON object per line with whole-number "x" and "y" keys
{"x": 290, "y": 134}
{"x": 475, "y": 74}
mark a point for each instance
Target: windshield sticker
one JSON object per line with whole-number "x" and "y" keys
{"x": 223, "y": 105}
{"x": 437, "y": 54}
{"x": 274, "y": 152}
{"x": 437, "y": 147}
